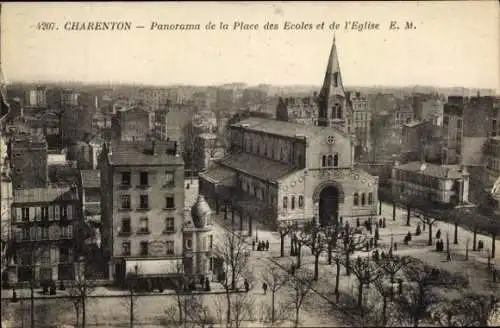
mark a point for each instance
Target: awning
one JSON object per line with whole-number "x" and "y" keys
{"x": 220, "y": 175}
{"x": 154, "y": 267}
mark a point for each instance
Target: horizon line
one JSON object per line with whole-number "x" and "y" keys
{"x": 247, "y": 84}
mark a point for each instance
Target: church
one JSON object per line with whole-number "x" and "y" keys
{"x": 277, "y": 170}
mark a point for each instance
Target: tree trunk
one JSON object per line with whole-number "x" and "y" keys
{"x": 297, "y": 310}
{"x": 455, "y": 237}
{"x": 429, "y": 241}
{"x": 272, "y": 307}
{"x": 408, "y": 209}
{"x": 393, "y": 211}
{"x": 32, "y": 300}
{"x": 493, "y": 246}
{"x": 232, "y": 216}
{"x": 84, "y": 315}
{"x": 241, "y": 221}
{"x": 299, "y": 248}
{"x": 348, "y": 263}
{"x": 379, "y": 207}
{"x": 430, "y": 234}
{"x": 77, "y": 312}
{"x": 316, "y": 265}
{"x": 330, "y": 251}
{"x": 360, "y": 294}
{"x": 225, "y": 211}
{"x": 282, "y": 245}
{"x": 337, "y": 279}
{"x": 250, "y": 221}
{"x": 131, "y": 314}
{"x": 179, "y": 305}
{"x": 474, "y": 239}
{"x": 228, "y": 312}
{"x": 384, "y": 311}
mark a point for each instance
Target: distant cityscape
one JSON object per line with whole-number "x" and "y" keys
{"x": 110, "y": 191}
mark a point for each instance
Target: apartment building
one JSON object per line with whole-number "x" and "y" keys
{"x": 142, "y": 204}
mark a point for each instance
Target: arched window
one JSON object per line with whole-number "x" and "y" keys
{"x": 323, "y": 161}
{"x": 330, "y": 160}
{"x": 292, "y": 205}
{"x": 285, "y": 202}
{"x": 301, "y": 201}
{"x": 363, "y": 199}
{"x": 336, "y": 160}
{"x": 370, "y": 198}
{"x": 356, "y": 199}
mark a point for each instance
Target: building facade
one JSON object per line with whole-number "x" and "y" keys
{"x": 142, "y": 208}
{"x": 359, "y": 121}
{"x": 44, "y": 223}
{"x": 28, "y": 158}
{"x": 280, "y": 171}
{"x": 432, "y": 183}
{"x": 132, "y": 125}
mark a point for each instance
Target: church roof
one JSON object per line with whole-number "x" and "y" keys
{"x": 433, "y": 170}
{"x": 255, "y": 166}
{"x": 285, "y": 129}
{"x": 332, "y": 84}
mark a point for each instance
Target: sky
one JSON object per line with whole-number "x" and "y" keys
{"x": 452, "y": 44}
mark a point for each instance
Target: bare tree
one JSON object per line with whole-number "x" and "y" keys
{"x": 313, "y": 236}
{"x": 242, "y": 309}
{"x": 393, "y": 264}
{"x": 275, "y": 279}
{"x": 234, "y": 253}
{"x": 427, "y": 220}
{"x": 386, "y": 291}
{"x": 366, "y": 272}
{"x": 284, "y": 229}
{"x": 420, "y": 295}
{"x": 332, "y": 235}
{"x": 469, "y": 310}
{"x": 79, "y": 290}
{"x": 301, "y": 285}
{"x": 351, "y": 242}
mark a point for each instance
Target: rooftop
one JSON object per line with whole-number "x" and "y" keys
{"x": 44, "y": 195}
{"x": 91, "y": 178}
{"x": 413, "y": 124}
{"x": 285, "y": 129}
{"x": 141, "y": 153}
{"x": 433, "y": 170}
{"x": 255, "y": 166}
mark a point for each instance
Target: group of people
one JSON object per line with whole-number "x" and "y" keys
{"x": 261, "y": 245}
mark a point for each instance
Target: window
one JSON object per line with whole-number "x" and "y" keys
{"x": 169, "y": 224}
{"x": 356, "y": 199}
{"x": 169, "y": 202}
{"x": 169, "y": 179}
{"x": 64, "y": 212}
{"x": 64, "y": 255}
{"x": 126, "y": 228}
{"x": 336, "y": 160}
{"x": 363, "y": 199}
{"x": 126, "y": 178}
{"x": 126, "y": 248}
{"x": 45, "y": 213}
{"x": 459, "y": 124}
{"x": 370, "y": 198}
{"x": 301, "y": 201}
{"x": 293, "y": 203}
{"x": 143, "y": 179}
{"x": 285, "y": 202}
{"x": 189, "y": 243}
{"x": 323, "y": 161}
{"x": 330, "y": 160}
{"x": 125, "y": 201}
{"x": 210, "y": 241}
{"x": 143, "y": 201}
{"x": 143, "y": 225}
{"x": 144, "y": 249}
{"x": 170, "y": 247}
{"x": 26, "y": 213}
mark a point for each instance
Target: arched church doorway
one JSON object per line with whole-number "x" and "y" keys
{"x": 329, "y": 199}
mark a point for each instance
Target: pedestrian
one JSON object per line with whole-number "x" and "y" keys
{"x": 247, "y": 285}
{"x": 267, "y": 245}
{"x": 264, "y": 287}
{"x": 253, "y": 245}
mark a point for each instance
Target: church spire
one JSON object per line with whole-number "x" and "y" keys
{"x": 332, "y": 95}
{"x": 332, "y": 85}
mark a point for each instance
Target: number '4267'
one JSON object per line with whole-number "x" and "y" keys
{"x": 45, "y": 26}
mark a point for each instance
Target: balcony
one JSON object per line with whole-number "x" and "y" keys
{"x": 143, "y": 186}
{"x": 169, "y": 231}
{"x": 125, "y": 209}
{"x": 143, "y": 209}
{"x": 124, "y": 186}
{"x": 126, "y": 233}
